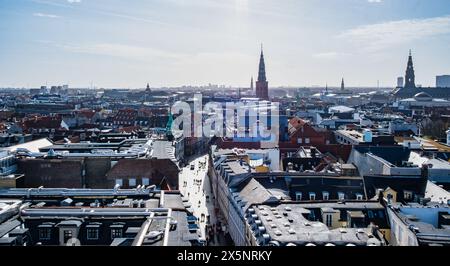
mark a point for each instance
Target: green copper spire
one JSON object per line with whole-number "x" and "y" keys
{"x": 169, "y": 124}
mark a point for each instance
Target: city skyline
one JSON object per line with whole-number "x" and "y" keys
{"x": 174, "y": 43}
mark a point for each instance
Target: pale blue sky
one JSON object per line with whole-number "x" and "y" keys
{"x": 118, "y": 43}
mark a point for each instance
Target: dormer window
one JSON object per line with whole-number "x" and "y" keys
{"x": 407, "y": 195}
{"x": 119, "y": 182}
{"x": 359, "y": 196}
{"x": 325, "y": 195}
{"x": 312, "y": 196}
{"x": 298, "y": 196}
{"x": 45, "y": 233}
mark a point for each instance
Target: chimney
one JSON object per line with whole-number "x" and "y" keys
{"x": 424, "y": 172}
{"x": 381, "y": 197}
{"x": 313, "y": 152}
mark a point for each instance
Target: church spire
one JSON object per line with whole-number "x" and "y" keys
{"x": 342, "y": 84}
{"x": 169, "y": 134}
{"x": 262, "y": 86}
{"x": 262, "y": 67}
{"x": 410, "y": 76}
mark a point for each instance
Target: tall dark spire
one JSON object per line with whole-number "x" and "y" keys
{"x": 410, "y": 76}
{"x": 262, "y": 67}
{"x": 342, "y": 84}
{"x": 262, "y": 86}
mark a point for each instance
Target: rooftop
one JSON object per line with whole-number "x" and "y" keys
{"x": 286, "y": 223}
{"x": 424, "y": 221}
{"x": 32, "y": 146}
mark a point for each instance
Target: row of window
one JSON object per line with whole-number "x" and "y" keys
{"x": 7, "y": 161}
{"x": 300, "y": 141}
{"x": 325, "y": 196}
{"x": 125, "y": 117}
{"x": 132, "y": 182}
{"x": 342, "y": 140}
{"x": 123, "y": 122}
{"x": 91, "y": 233}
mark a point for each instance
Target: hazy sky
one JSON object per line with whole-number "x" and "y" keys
{"x": 118, "y": 43}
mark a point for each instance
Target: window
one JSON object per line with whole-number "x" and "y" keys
{"x": 389, "y": 197}
{"x": 312, "y": 196}
{"x": 370, "y": 214}
{"x": 45, "y": 233}
{"x": 300, "y": 141}
{"x": 119, "y": 182}
{"x": 341, "y": 195}
{"x": 298, "y": 196}
{"x": 92, "y": 234}
{"x": 67, "y": 235}
{"x": 46, "y": 165}
{"x": 407, "y": 195}
{"x": 145, "y": 181}
{"x": 116, "y": 233}
{"x": 329, "y": 220}
{"x": 359, "y": 196}
{"x": 132, "y": 182}
{"x": 307, "y": 140}
{"x": 325, "y": 195}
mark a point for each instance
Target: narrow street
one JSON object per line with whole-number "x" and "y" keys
{"x": 195, "y": 186}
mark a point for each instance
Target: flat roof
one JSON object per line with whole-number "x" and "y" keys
{"x": 173, "y": 201}
{"x": 423, "y": 223}
{"x": 353, "y": 134}
{"x": 285, "y": 223}
{"x": 32, "y": 146}
{"x": 163, "y": 150}
{"x": 66, "y": 192}
{"x": 33, "y": 213}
